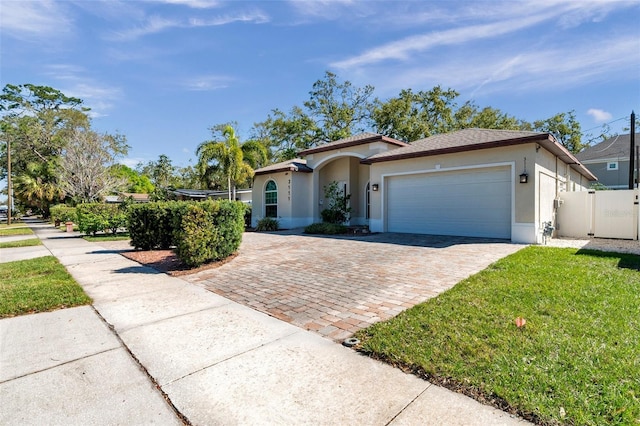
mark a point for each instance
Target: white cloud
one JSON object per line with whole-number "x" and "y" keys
{"x": 132, "y": 162}
{"x": 475, "y": 22}
{"x": 503, "y": 71}
{"x": 207, "y": 83}
{"x": 255, "y": 17}
{"x": 156, "y": 24}
{"x": 405, "y": 48}
{"x": 74, "y": 82}
{"x": 599, "y": 115}
{"x": 194, "y": 4}
{"x": 35, "y": 19}
{"x": 325, "y": 9}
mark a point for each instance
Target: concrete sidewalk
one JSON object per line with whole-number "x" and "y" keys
{"x": 149, "y": 335}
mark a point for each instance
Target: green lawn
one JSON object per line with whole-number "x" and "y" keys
{"x": 577, "y": 359}
{"x": 121, "y": 236}
{"x": 17, "y": 230}
{"x": 37, "y": 285}
{"x": 21, "y": 243}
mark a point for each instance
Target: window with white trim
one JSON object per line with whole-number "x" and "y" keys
{"x": 612, "y": 165}
{"x": 271, "y": 199}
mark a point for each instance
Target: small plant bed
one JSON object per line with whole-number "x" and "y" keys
{"x": 325, "y": 228}
{"x": 551, "y": 334}
{"x": 15, "y": 230}
{"x": 21, "y": 243}
{"x": 37, "y": 285}
{"x": 166, "y": 261}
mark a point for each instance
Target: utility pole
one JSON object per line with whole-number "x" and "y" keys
{"x": 9, "y": 199}
{"x": 632, "y": 145}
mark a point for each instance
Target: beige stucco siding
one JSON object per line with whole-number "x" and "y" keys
{"x": 532, "y": 202}
{"x": 294, "y": 199}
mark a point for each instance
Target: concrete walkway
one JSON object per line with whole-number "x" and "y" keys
{"x": 156, "y": 349}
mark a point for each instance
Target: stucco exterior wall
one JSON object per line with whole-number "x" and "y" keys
{"x": 532, "y": 202}
{"x": 294, "y": 199}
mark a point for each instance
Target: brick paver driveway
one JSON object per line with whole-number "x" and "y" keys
{"x": 336, "y": 286}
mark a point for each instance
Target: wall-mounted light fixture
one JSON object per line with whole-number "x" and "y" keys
{"x": 374, "y": 187}
{"x": 524, "y": 176}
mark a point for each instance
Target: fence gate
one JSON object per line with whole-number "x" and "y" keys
{"x": 600, "y": 214}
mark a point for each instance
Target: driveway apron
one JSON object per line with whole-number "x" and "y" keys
{"x": 337, "y": 286}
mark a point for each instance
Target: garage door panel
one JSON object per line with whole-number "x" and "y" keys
{"x": 469, "y": 203}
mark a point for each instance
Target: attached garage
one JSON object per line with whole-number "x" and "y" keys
{"x": 472, "y": 202}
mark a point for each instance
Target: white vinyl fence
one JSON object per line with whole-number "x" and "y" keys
{"x": 600, "y": 214}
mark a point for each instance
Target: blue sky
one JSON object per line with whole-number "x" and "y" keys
{"x": 162, "y": 72}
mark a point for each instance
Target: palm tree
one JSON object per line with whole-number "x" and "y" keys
{"x": 227, "y": 158}
{"x": 36, "y": 187}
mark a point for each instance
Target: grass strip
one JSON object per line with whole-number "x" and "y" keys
{"x": 37, "y": 285}
{"x": 15, "y": 231}
{"x": 21, "y": 243}
{"x": 107, "y": 237}
{"x": 575, "y": 361}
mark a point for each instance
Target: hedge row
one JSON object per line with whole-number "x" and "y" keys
{"x": 99, "y": 217}
{"x": 200, "y": 231}
{"x": 91, "y": 218}
{"x": 61, "y": 213}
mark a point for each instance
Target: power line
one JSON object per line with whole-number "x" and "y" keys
{"x": 604, "y": 124}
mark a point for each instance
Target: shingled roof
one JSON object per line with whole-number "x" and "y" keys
{"x": 359, "y": 139}
{"x": 475, "y": 139}
{"x": 294, "y": 165}
{"x": 609, "y": 149}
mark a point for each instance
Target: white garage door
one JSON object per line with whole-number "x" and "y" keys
{"x": 474, "y": 203}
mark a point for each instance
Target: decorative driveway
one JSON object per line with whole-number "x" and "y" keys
{"x": 338, "y": 285}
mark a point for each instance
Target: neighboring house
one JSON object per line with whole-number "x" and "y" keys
{"x": 465, "y": 183}
{"x": 243, "y": 195}
{"x": 609, "y": 160}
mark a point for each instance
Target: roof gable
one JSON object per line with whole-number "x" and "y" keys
{"x": 359, "y": 139}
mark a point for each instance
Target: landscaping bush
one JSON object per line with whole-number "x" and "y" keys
{"x": 197, "y": 238}
{"x": 338, "y": 210}
{"x": 200, "y": 231}
{"x": 247, "y": 216}
{"x": 99, "y": 217}
{"x": 61, "y": 213}
{"x": 325, "y": 228}
{"x": 152, "y": 225}
{"x": 267, "y": 224}
{"x": 229, "y": 219}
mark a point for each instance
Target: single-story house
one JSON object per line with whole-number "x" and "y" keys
{"x": 243, "y": 195}
{"x": 472, "y": 182}
{"x": 609, "y": 160}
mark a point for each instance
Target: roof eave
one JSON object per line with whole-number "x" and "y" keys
{"x": 290, "y": 168}
{"x": 546, "y": 140}
{"x": 457, "y": 149}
